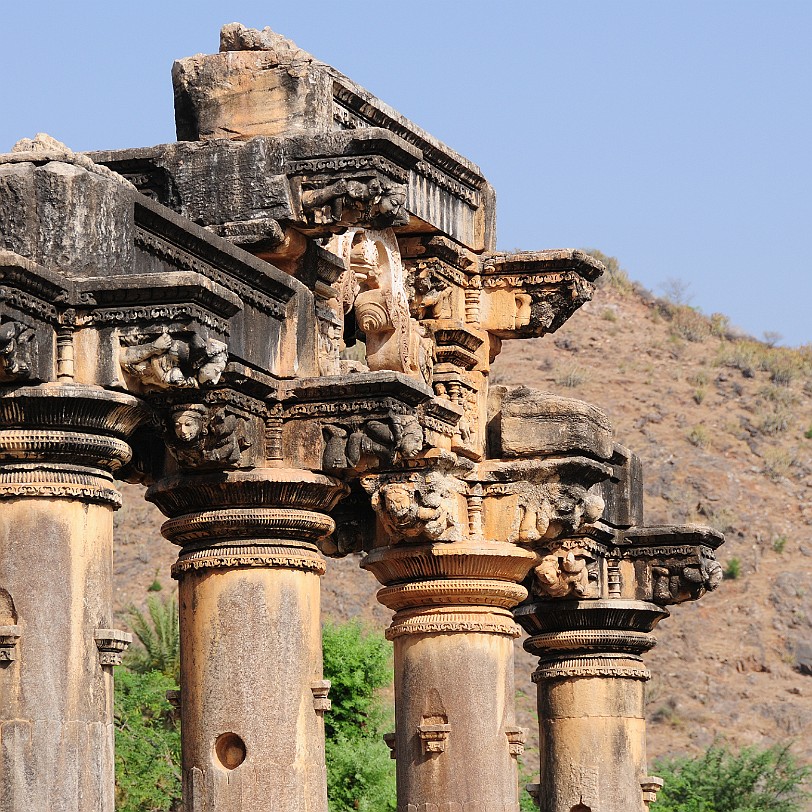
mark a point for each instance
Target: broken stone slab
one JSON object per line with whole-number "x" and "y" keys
{"x": 527, "y": 423}
{"x": 261, "y": 84}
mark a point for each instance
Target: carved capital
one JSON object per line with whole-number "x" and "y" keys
{"x": 207, "y": 437}
{"x": 670, "y": 565}
{"x": 358, "y": 446}
{"x": 569, "y": 572}
{"x": 533, "y": 502}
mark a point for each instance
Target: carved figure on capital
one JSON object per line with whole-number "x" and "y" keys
{"x": 167, "y": 362}
{"x": 416, "y": 506}
{"x": 372, "y": 443}
{"x": 376, "y": 202}
{"x": 676, "y": 582}
{"x": 15, "y": 351}
{"x": 570, "y": 572}
{"x": 206, "y": 436}
{"x": 549, "y": 510}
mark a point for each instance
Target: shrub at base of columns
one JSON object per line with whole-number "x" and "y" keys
{"x": 360, "y": 773}
{"x": 147, "y": 743}
{"x": 752, "y": 780}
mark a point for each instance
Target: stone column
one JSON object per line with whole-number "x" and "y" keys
{"x": 57, "y": 644}
{"x": 456, "y": 738}
{"x": 252, "y": 690}
{"x": 591, "y": 702}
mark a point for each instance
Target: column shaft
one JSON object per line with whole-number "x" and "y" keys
{"x": 252, "y": 692}
{"x": 456, "y": 738}
{"x": 57, "y": 646}
{"x": 591, "y": 701}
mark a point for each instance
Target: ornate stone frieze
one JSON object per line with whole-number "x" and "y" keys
{"x": 598, "y": 665}
{"x": 181, "y": 495}
{"x": 403, "y": 563}
{"x": 487, "y": 620}
{"x": 40, "y": 481}
{"x": 265, "y": 556}
{"x": 289, "y": 524}
{"x": 450, "y": 591}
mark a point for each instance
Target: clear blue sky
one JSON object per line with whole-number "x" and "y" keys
{"x": 674, "y": 135}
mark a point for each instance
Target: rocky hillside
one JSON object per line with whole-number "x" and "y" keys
{"x": 724, "y": 427}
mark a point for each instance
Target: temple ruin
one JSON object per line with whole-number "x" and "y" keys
{"x": 283, "y": 325}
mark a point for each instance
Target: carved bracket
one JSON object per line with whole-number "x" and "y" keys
{"x": 547, "y": 510}
{"x": 15, "y": 351}
{"x": 434, "y": 737}
{"x": 672, "y": 564}
{"x": 358, "y": 446}
{"x": 339, "y": 192}
{"x": 516, "y": 737}
{"x": 390, "y": 740}
{"x": 570, "y": 572}
{"x": 321, "y": 689}
{"x": 418, "y": 506}
{"x": 9, "y": 635}
{"x": 207, "y": 437}
{"x": 112, "y": 643}
{"x": 651, "y": 786}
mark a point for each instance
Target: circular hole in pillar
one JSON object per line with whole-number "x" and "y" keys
{"x": 230, "y": 750}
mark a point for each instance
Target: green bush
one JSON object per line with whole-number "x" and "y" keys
{"x": 360, "y": 773}
{"x": 733, "y": 569}
{"x": 752, "y": 780}
{"x": 148, "y": 775}
{"x": 159, "y": 636}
